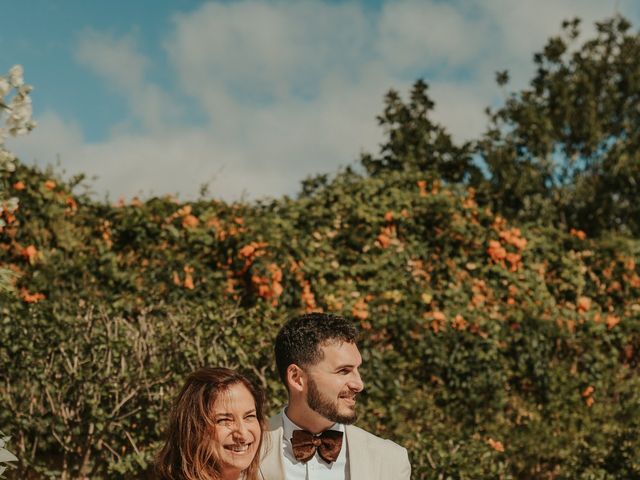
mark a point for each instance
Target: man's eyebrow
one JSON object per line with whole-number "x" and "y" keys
{"x": 347, "y": 365}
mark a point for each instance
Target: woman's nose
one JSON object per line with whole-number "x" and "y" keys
{"x": 240, "y": 433}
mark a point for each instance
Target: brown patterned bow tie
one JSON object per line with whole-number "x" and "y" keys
{"x": 305, "y": 444}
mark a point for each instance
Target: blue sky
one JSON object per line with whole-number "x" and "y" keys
{"x": 252, "y": 96}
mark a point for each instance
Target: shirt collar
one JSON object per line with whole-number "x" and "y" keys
{"x": 289, "y": 426}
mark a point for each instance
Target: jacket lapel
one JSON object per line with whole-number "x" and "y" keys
{"x": 271, "y": 464}
{"x": 360, "y": 463}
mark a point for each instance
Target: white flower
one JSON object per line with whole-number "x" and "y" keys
{"x": 4, "y": 87}
{"x": 7, "y": 160}
{"x": 11, "y": 205}
{"x": 15, "y": 76}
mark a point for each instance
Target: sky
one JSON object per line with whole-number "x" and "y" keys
{"x": 250, "y": 97}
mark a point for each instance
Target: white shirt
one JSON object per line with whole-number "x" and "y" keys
{"x": 316, "y": 468}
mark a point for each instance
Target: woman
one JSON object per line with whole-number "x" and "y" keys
{"x": 215, "y": 429}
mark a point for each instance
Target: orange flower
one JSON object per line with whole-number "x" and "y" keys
{"x": 190, "y": 221}
{"x": 514, "y": 237}
{"x": 71, "y": 203}
{"x": 587, "y": 392}
{"x": 495, "y": 444}
{"x": 514, "y": 260}
{"x": 612, "y": 321}
{"x": 422, "y": 186}
{"x": 388, "y": 217}
{"x": 308, "y": 298}
{"x": 188, "y": 278}
{"x": 387, "y": 234}
{"x": 30, "y": 253}
{"x": 459, "y": 323}
{"x": 19, "y": 185}
{"x": 469, "y": 202}
{"x": 584, "y": 304}
{"x": 269, "y": 288}
{"x": 438, "y": 321}
{"x": 31, "y": 297}
{"x": 251, "y": 249}
{"x": 360, "y": 309}
{"x": 384, "y": 240}
{"x": 496, "y": 251}
{"x": 579, "y": 234}
{"x": 49, "y": 184}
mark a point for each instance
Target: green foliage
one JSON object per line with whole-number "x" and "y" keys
{"x": 566, "y": 150}
{"x": 479, "y": 339}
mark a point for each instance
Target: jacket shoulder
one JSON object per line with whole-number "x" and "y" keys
{"x": 377, "y": 443}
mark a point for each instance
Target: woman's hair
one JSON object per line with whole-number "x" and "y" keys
{"x": 187, "y": 453}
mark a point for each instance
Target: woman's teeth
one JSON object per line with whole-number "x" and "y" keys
{"x": 238, "y": 448}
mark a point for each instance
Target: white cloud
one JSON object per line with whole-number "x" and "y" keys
{"x": 118, "y": 62}
{"x": 434, "y": 35}
{"x": 115, "y": 59}
{"x": 289, "y": 89}
{"x": 257, "y": 52}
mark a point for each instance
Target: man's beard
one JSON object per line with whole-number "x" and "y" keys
{"x": 325, "y": 407}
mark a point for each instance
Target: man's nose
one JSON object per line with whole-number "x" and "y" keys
{"x": 356, "y": 384}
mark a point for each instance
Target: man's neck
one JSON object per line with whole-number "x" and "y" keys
{"x": 307, "y": 419}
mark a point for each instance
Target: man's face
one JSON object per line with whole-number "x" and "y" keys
{"x": 334, "y": 382}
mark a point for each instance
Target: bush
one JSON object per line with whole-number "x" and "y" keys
{"x": 490, "y": 351}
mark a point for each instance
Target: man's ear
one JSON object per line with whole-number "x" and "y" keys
{"x": 296, "y": 378}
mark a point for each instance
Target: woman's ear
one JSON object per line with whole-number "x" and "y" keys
{"x": 296, "y": 378}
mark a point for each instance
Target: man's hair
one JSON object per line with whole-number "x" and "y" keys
{"x": 300, "y": 340}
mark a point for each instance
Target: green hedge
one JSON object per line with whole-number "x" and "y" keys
{"x": 490, "y": 351}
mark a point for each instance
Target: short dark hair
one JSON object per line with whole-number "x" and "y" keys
{"x": 299, "y": 340}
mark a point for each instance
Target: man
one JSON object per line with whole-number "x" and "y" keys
{"x": 313, "y": 437}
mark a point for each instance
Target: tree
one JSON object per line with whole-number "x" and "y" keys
{"x": 415, "y": 142}
{"x": 17, "y": 122}
{"x": 566, "y": 150}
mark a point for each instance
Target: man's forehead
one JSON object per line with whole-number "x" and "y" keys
{"x": 340, "y": 351}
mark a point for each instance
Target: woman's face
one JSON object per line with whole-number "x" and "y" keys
{"x": 237, "y": 430}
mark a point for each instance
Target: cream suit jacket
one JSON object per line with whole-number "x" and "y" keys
{"x": 370, "y": 457}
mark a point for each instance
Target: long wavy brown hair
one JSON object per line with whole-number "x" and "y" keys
{"x": 187, "y": 453}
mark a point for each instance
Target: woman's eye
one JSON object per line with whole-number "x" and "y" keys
{"x": 223, "y": 422}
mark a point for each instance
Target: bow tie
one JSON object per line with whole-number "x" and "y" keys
{"x": 305, "y": 444}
